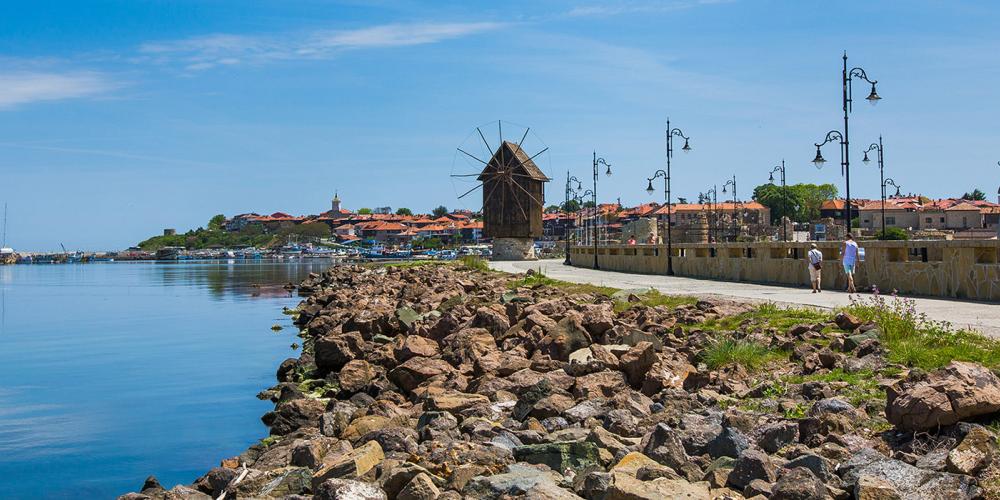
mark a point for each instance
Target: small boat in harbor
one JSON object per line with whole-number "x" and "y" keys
{"x": 7, "y": 256}
{"x": 169, "y": 253}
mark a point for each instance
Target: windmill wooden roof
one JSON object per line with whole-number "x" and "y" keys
{"x": 511, "y": 154}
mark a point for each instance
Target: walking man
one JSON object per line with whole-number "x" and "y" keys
{"x": 850, "y": 258}
{"x": 815, "y": 264}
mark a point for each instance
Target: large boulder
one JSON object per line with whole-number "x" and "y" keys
{"x": 292, "y": 415}
{"x": 351, "y": 465}
{"x": 559, "y": 456}
{"x": 871, "y": 475}
{"x": 974, "y": 453}
{"x": 956, "y": 392}
{"x": 348, "y": 489}
{"x": 334, "y": 351}
{"x": 637, "y": 362}
{"x": 416, "y": 370}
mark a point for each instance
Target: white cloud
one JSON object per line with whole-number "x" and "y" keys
{"x": 31, "y": 86}
{"x": 203, "y": 52}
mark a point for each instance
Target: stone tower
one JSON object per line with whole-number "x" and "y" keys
{"x": 335, "y": 204}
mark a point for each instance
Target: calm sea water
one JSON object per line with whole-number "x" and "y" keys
{"x": 110, "y": 372}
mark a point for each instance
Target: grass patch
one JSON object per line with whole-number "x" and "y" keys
{"x": 537, "y": 279}
{"x": 862, "y": 386}
{"x": 766, "y": 315}
{"x": 473, "y": 263}
{"x": 914, "y": 340}
{"x": 750, "y": 355}
{"x": 654, "y": 298}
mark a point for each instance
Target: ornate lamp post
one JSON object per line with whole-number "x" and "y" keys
{"x": 666, "y": 196}
{"x": 878, "y": 149}
{"x": 671, "y": 133}
{"x": 784, "y": 195}
{"x": 887, "y": 182}
{"x": 597, "y": 162}
{"x": 573, "y": 194}
{"x": 848, "y": 101}
{"x": 819, "y": 161}
{"x": 732, "y": 182}
{"x": 711, "y": 197}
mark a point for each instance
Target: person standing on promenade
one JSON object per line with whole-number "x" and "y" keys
{"x": 815, "y": 264}
{"x": 849, "y": 254}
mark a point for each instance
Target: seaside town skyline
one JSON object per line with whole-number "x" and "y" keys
{"x": 129, "y": 130}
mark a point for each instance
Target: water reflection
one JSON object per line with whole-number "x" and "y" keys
{"x": 253, "y": 278}
{"x": 110, "y": 372}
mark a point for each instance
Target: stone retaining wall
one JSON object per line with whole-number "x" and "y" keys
{"x": 958, "y": 269}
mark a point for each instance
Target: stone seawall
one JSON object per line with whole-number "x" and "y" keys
{"x": 955, "y": 269}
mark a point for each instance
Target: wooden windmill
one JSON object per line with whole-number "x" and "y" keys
{"x": 513, "y": 190}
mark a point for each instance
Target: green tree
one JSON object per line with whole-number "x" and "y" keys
{"x": 364, "y": 211}
{"x": 682, "y": 200}
{"x": 215, "y": 223}
{"x": 588, "y": 204}
{"x": 975, "y": 195}
{"x": 404, "y": 211}
{"x": 893, "y": 233}
{"x": 551, "y": 209}
{"x": 571, "y": 206}
{"x": 782, "y": 202}
{"x": 440, "y": 211}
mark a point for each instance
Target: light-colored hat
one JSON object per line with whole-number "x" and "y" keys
{"x": 813, "y": 245}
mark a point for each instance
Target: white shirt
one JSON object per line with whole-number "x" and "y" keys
{"x": 815, "y": 256}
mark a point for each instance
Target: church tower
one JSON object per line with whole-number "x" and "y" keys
{"x": 336, "y": 203}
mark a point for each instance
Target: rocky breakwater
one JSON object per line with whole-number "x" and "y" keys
{"x": 437, "y": 382}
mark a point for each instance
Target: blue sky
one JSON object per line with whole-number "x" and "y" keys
{"x": 121, "y": 118}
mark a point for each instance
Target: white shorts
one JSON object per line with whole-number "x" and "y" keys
{"x": 814, "y": 274}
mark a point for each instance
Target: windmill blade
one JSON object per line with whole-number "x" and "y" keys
{"x": 481, "y": 136}
{"x": 522, "y": 137}
{"x": 473, "y": 157}
{"x": 471, "y": 190}
{"x": 536, "y": 154}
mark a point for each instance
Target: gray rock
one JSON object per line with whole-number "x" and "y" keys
{"x": 559, "y": 456}
{"x": 752, "y": 464}
{"x": 348, "y": 489}
{"x": 778, "y": 435}
{"x": 871, "y": 473}
{"x": 798, "y": 484}
{"x": 517, "y": 479}
{"x": 730, "y": 443}
{"x": 664, "y": 446}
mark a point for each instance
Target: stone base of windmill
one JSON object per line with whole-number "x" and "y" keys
{"x": 514, "y": 249}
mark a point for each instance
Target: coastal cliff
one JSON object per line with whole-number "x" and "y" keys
{"x": 439, "y": 381}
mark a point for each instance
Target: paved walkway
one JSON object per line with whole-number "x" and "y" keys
{"x": 963, "y": 314}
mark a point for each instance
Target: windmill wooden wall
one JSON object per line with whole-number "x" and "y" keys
{"x": 513, "y": 194}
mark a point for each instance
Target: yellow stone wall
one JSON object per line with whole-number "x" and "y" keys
{"x": 959, "y": 269}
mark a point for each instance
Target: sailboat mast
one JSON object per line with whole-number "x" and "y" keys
{"x": 3, "y": 240}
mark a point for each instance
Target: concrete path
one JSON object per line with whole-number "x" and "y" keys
{"x": 983, "y": 317}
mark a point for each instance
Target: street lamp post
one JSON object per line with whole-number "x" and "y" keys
{"x": 784, "y": 194}
{"x": 671, "y": 133}
{"x": 597, "y": 162}
{"x": 819, "y": 161}
{"x": 666, "y": 196}
{"x": 570, "y": 194}
{"x": 887, "y": 182}
{"x": 732, "y": 182}
{"x": 575, "y": 195}
{"x": 711, "y": 197}
{"x": 878, "y": 148}
{"x": 848, "y": 101}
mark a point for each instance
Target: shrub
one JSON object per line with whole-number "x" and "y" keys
{"x": 893, "y": 233}
{"x": 914, "y": 340}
